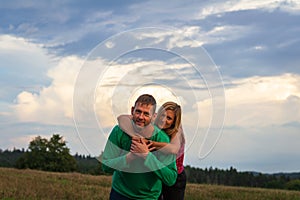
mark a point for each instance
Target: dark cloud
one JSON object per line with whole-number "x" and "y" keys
{"x": 69, "y": 26}
{"x": 270, "y": 47}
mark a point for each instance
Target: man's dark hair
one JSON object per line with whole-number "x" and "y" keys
{"x": 146, "y": 99}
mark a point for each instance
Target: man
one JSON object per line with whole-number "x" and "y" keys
{"x": 138, "y": 174}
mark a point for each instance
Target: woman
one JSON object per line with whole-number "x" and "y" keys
{"x": 169, "y": 120}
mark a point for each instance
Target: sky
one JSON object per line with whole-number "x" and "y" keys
{"x": 71, "y": 67}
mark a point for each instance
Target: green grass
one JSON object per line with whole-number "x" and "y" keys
{"x": 32, "y": 184}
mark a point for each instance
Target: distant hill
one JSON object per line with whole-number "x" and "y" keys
{"x": 291, "y": 175}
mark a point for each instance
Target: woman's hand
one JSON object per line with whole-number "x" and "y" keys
{"x": 141, "y": 147}
{"x": 146, "y": 141}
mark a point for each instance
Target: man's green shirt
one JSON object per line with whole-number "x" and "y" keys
{"x": 142, "y": 178}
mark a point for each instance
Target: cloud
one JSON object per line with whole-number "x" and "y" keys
{"x": 22, "y": 48}
{"x": 52, "y": 104}
{"x": 18, "y": 72}
{"x": 239, "y": 5}
{"x": 257, "y": 102}
{"x": 263, "y": 101}
{"x": 254, "y": 49}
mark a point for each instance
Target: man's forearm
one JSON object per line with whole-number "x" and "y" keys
{"x": 166, "y": 170}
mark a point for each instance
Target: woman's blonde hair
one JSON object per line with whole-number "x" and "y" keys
{"x": 177, "y": 117}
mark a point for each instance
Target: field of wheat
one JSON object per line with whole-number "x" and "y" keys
{"x": 32, "y": 184}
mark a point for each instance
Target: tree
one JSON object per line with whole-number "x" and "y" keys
{"x": 48, "y": 155}
{"x": 293, "y": 185}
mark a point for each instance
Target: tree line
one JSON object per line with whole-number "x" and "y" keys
{"x": 49, "y": 155}
{"x": 54, "y": 155}
{"x": 231, "y": 177}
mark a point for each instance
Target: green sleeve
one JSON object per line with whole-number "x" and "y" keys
{"x": 114, "y": 157}
{"x": 162, "y": 164}
{"x": 165, "y": 170}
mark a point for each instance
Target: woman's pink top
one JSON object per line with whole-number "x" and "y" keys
{"x": 180, "y": 158}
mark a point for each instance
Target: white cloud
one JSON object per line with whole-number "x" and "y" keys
{"x": 194, "y": 36}
{"x": 21, "y": 47}
{"x": 263, "y": 101}
{"x": 24, "y": 65}
{"x": 262, "y": 89}
{"x": 292, "y": 6}
{"x": 109, "y": 44}
{"x": 258, "y": 101}
{"x": 53, "y": 104}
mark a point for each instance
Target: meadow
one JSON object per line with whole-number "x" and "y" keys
{"x": 33, "y": 184}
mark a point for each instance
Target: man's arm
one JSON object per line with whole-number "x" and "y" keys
{"x": 165, "y": 170}
{"x": 114, "y": 157}
{"x": 162, "y": 164}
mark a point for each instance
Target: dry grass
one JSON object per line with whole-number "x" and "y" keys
{"x": 217, "y": 192}
{"x": 32, "y": 184}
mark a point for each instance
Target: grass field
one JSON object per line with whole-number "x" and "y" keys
{"x": 32, "y": 184}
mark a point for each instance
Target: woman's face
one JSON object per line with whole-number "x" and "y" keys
{"x": 166, "y": 119}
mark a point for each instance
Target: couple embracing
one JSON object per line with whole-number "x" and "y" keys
{"x": 147, "y": 158}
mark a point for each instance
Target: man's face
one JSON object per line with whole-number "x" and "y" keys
{"x": 142, "y": 114}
